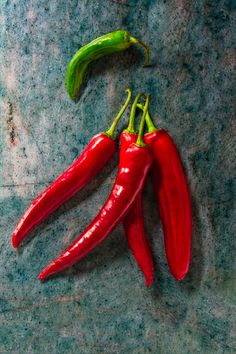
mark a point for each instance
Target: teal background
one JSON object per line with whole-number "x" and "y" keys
{"x": 101, "y": 305}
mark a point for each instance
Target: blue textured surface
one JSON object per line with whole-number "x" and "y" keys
{"x": 101, "y": 305}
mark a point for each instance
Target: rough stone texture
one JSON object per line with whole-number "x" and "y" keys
{"x": 101, "y": 305}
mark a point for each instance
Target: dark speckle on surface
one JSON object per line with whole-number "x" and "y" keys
{"x": 10, "y": 123}
{"x": 101, "y": 305}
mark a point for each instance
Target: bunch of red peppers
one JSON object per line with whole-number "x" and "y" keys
{"x": 140, "y": 153}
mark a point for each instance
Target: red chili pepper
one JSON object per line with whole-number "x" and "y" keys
{"x": 133, "y": 168}
{"x": 133, "y": 221}
{"x": 98, "y": 152}
{"x": 173, "y": 199}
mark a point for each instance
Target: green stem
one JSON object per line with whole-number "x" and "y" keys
{"x": 140, "y": 141}
{"x": 147, "y": 50}
{"x": 111, "y": 130}
{"x": 150, "y": 124}
{"x": 131, "y": 128}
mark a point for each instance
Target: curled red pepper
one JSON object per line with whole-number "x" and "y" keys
{"x": 133, "y": 168}
{"x": 97, "y": 153}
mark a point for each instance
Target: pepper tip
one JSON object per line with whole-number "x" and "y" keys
{"x": 179, "y": 276}
{"x": 42, "y": 276}
{"x": 14, "y": 242}
{"x": 149, "y": 280}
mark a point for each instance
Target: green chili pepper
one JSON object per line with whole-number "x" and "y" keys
{"x": 109, "y": 43}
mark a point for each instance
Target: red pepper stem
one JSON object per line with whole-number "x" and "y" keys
{"x": 131, "y": 129}
{"x": 111, "y": 130}
{"x": 147, "y": 50}
{"x": 149, "y": 122}
{"x": 140, "y": 141}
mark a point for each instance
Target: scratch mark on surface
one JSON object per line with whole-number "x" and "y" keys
{"x": 25, "y": 184}
{"x": 44, "y": 303}
{"x": 11, "y": 124}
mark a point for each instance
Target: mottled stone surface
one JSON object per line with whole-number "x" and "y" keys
{"x": 101, "y": 305}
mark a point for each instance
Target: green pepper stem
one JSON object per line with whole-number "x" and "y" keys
{"x": 150, "y": 124}
{"x": 111, "y": 130}
{"x": 131, "y": 128}
{"x": 147, "y": 50}
{"x": 140, "y": 141}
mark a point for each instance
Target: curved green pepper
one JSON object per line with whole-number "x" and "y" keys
{"x": 109, "y": 43}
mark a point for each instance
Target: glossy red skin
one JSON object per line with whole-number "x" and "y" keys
{"x": 97, "y": 153}
{"x": 133, "y": 168}
{"x": 133, "y": 223}
{"x": 173, "y": 201}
